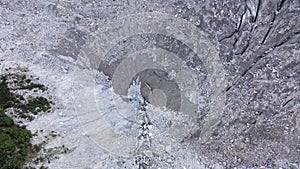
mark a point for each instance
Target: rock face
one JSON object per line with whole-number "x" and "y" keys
{"x": 226, "y": 73}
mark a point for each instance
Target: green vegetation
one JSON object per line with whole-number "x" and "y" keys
{"x": 6, "y": 97}
{"x": 4, "y": 119}
{"x": 34, "y": 86}
{"x": 35, "y": 105}
{"x": 48, "y": 154}
{"x": 9, "y": 99}
{"x": 15, "y": 146}
{"x": 15, "y": 143}
{"x": 24, "y": 83}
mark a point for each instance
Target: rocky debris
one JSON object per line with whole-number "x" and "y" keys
{"x": 257, "y": 42}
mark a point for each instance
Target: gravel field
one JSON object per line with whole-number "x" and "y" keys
{"x": 162, "y": 83}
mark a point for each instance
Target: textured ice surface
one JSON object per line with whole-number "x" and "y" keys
{"x": 257, "y": 43}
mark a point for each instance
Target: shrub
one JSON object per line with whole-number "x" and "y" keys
{"x": 4, "y": 119}
{"x": 15, "y": 146}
